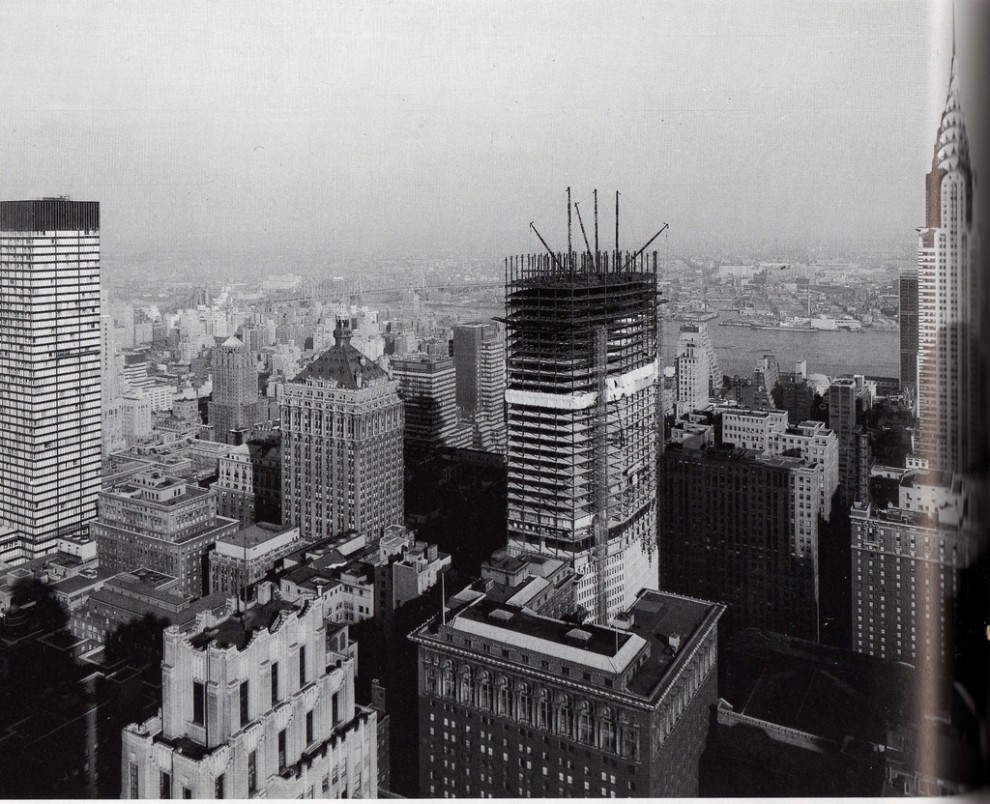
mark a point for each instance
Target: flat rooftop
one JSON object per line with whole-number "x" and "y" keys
{"x": 256, "y": 534}
{"x": 657, "y": 617}
{"x": 643, "y": 655}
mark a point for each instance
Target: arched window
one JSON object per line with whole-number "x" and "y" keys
{"x": 485, "y": 692}
{"x": 525, "y": 703}
{"x": 467, "y": 687}
{"x": 630, "y": 741}
{"x": 432, "y": 680}
{"x": 607, "y": 730}
{"x": 586, "y": 726}
{"x": 449, "y": 689}
{"x": 504, "y": 699}
{"x": 565, "y": 716}
{"x": 543, "y": 710}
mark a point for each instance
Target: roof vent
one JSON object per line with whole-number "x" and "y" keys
{"x": 579, "y": 636}
{"x": 501, "y": 615}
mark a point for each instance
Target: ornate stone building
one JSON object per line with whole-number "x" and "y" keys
{"x": 342, "y": 466}
{"x": 513, "y": 704}
{"x": 259, "y": 705}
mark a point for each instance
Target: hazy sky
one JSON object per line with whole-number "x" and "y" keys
{"x": 370, "y": 127}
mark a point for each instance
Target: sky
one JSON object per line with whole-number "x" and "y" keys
{"x": 429, "y": 128}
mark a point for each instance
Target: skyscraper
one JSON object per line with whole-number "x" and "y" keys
{"x": 50, "y": 389}
{"x": 479, "y": 361}
{"x": 849, "y": 398}
{"x": 908, "y": 323}
{"x": 427, "y": 387}
{"x": 908, "y": 565}
{"x": 693, "y": 365}
{"x": 742, "y": 528}
{"x": 342, "y": 465}
{"x": 950, "y": 419}
{"x": 259, "y": 705}
{"x": 111, "y": 402}
{"x": 235, "y": 390}
{"x": 582, "y": 403}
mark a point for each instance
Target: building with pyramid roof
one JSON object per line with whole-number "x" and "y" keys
{"x": 342, "y": 424}
{"x": 234, "y": 407}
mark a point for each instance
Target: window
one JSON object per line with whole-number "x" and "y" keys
{"x": 186, "y": 792}
{"x": 218, "y": 791}
{"x": 135, "y": 792}
{"x": 244, "y": 703}
{"x": 199, "y": 703}
{"x": 309, "y": 727}
{"x": 281, "y": 749}
{"x": 302, "y": 665}
{"x": 335, "y": 707}
{"x": 165, "y": 785}
{"x": 274, "y": 683}
{"x": 252, "y": 772}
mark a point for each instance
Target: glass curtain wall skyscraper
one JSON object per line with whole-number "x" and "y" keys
{"x": 50, "y": 387}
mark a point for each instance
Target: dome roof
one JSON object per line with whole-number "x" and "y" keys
{"x": 819, "y": 382}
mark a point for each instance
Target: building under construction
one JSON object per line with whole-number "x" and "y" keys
{"x": 582, "y": 395}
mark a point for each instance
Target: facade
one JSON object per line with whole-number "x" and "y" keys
{"x": 234, "y": 406}
{"x": 950, "y": 416}
{"x": 50, "y": 387}
{"x": 907, "y": 569}
{"x": 795, "y": 394}
{"x": 908, "y": 323}
{"x": 342, "y": 466}
{"x": 160, "y": 523}
{"x": 135, "y": 416}
{"x": 249, "y": 481}
{"x": 241, "y": 559}
{"x": 129, "y": 597}
{"x": 110, "y": 401}
{"x": 767, "y": 431}
{"x": 742, "y": 528}
{"x": 514, "y": 704}
{"x": 696, "y": 367}
{"x": 752, "y": 429}
{"x": 261, "y": 705}
{"x": 849, "y": 399}
{"x": 427, "y": 387}
{"x": 479, "y": 363}
{"x": 416, "y": 572}
{"x": 582, "y": 399}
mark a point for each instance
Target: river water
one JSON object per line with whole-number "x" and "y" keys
{"x": 872, "y": 352}
{"x": 832, "y": 353}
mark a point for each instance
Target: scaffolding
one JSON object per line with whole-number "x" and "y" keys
{"x": 582, "y": 463}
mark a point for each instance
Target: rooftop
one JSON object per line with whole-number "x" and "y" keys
{"x": 256, "y": 534}
{"x": 343, "y": 364}
{"x": 236, "y": 631}
{"x": 644, "y": 650}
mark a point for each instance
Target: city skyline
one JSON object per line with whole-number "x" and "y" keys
{"x": 201, "y": 136}
{"x": 581, "y": 515}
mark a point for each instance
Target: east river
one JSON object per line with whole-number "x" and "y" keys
{"x": 874, "y": 352}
